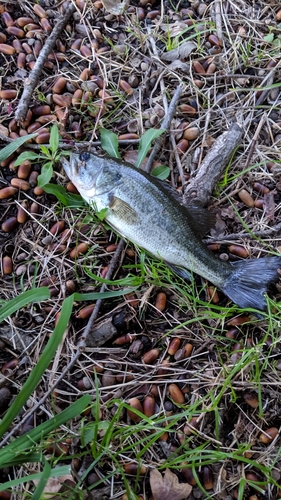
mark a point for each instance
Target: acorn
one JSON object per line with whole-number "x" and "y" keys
{"x": 135, "y": 404}
{"x": 150, "y": 356}
{"x": 176, "y": 394}
{"x": 267, "y": 436}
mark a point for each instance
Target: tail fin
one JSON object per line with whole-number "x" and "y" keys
{"x": 249, "y": 281}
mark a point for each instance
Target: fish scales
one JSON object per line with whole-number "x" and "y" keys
{"x": 142, "y": 210}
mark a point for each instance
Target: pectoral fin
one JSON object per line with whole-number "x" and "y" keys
{"x": 123, "y": 210}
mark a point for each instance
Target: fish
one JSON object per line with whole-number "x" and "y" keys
{"x": 142, "y": 210}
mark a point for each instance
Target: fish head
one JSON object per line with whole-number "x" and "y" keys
{"x": 82, "y": 169}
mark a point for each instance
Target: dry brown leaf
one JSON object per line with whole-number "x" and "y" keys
{"x": 167, "y": 487}
{"x": 174, "y": 29}
{"x": 178, "y": 64}
{"x": 219, "y": 229}
{"x": 228, "y": 212}
{"x": 181, "y": 52}
{"x": 54, "y": 484}
{"x": 116, "y": 8}
{"x": 269, "y": 204}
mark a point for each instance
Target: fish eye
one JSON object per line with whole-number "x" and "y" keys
{"x": 85, "y": 156}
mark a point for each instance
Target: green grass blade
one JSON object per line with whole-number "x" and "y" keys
{"x": 59, "y": 471}
{"x": 38, "y": 371}
{"x": 17, "y": 449}
{"x": 13, "y": 146}
{"x": 46, "y": 473}
{"x": 13, "y": 305}
{"x": 103, "y": 295}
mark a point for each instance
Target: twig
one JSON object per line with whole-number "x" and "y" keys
{"x": 82, "y": 342}
{"x": 80, "y": 346}
{"x": 177, "y": 158}
{"x": 254, "y": 141}
{"x": 201, "y": 186}
{"x": 253, "y": 234}
{"x": 218, "y": 18}
{"x": 32, "y": 80}
{"x": 63, "y": 145}
{"x": 164, "y": 126}
{"x": 268, "y": 80}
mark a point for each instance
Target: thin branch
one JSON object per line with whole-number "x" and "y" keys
{"x": 252, "y": 235}
{"x": 164, "y": 126}
{"x": 32, "y": 80}
{"x": 83, "y": 339}
{"x": 63, "y": 145}
{"x": 218, "y": 18}
{"x": 254, "y": 141}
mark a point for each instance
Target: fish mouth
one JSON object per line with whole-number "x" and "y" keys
{"x": 68, "y": 166}
{"x": 72, "y": 166}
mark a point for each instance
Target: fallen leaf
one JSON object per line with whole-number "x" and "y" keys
{"x": 228, "y": 212}
{"x": 219, "y": 228}
{"x": 269, "y": 204}
{"x": 18, "y": 75}
{"x": 178, "y": 64}
{"x": 167, "y": 487}
{"x": 116, "y": 8}
{"x": 181, "y": 52}
{"x": 54, "y": 484}
{"x": 174, "y": 29}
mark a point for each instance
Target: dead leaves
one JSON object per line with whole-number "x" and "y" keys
{"x": 113, "y": 7}
{"x": 182, "y": 51}
{"x": 167, "y": 487}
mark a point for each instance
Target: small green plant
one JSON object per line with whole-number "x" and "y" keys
{"x": 48, "y": 155}
{"x": 109, "y": 142}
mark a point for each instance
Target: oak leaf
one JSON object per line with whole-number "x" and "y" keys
{"x": 167, "y": 487}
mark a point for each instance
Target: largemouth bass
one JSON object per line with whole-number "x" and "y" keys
{"x": 142, "y": 210}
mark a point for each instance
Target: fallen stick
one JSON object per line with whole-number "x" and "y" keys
{"x": 252, "y": 235}
{"x": 33, "y": 78}
{"x": 200, "y": 188}
{"x": 164, "y": 126}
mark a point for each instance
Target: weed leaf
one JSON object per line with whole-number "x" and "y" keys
{"x": 13, "y": 146}
{"x": 66, "y": 198}
{"x": 167, "y": 487}
{"x": 26, "y": 155}
{"x": 145, "y": 143}
{"x": 162, "y": 172}
{"x": 54, "y": 139}
{"x": 46, "y": 174}
{"x": 109, "y": 142}
{"x": 45, "y": 151}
